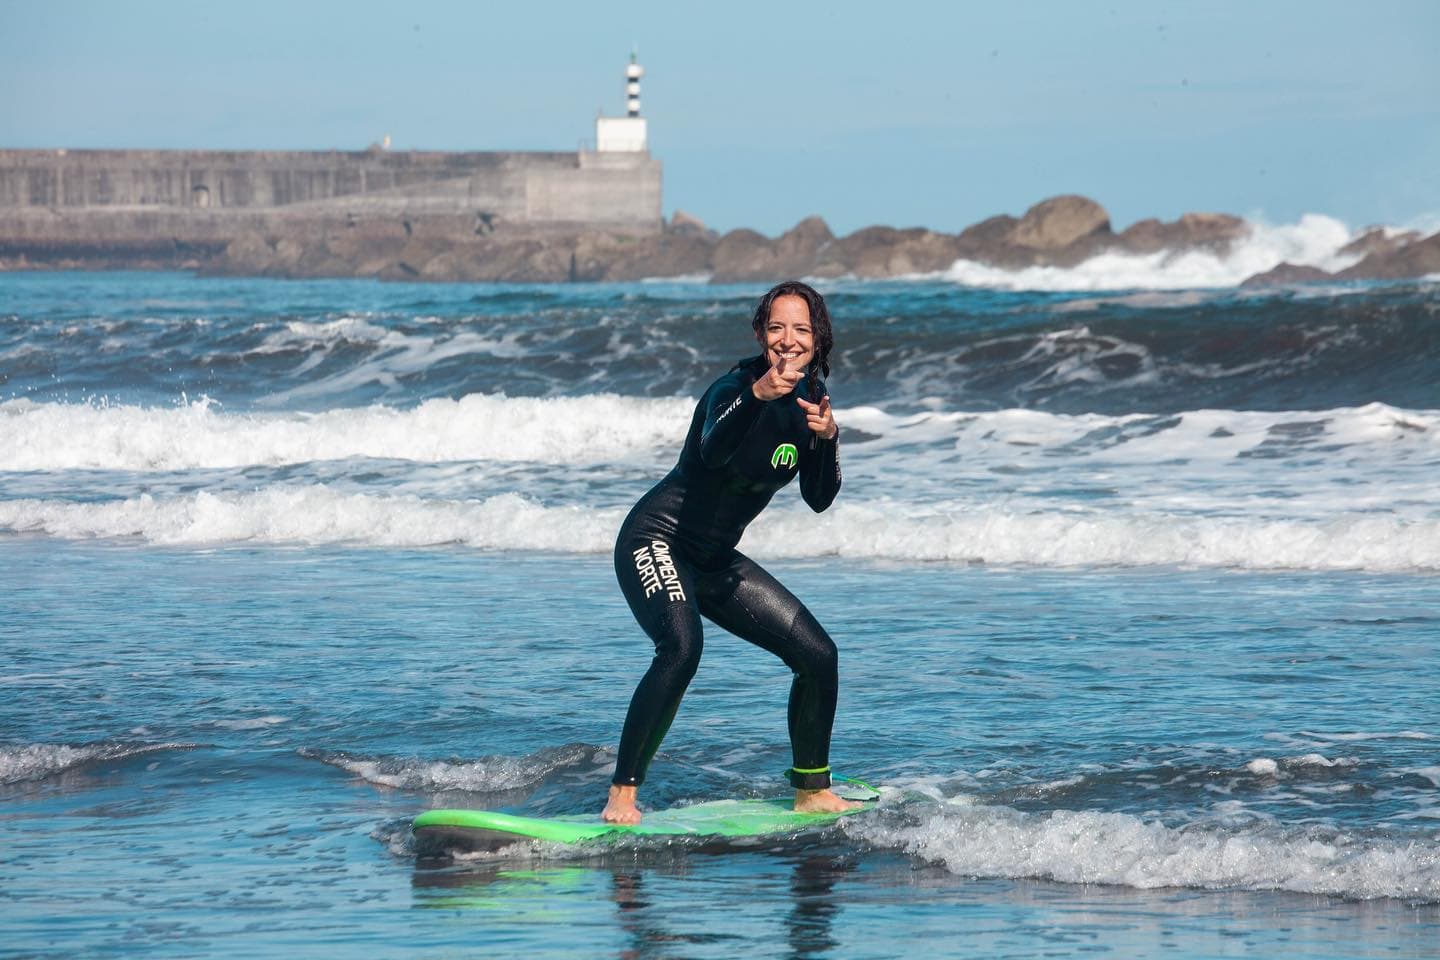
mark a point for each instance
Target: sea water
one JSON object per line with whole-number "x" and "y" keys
{"x": 1136, "y": 595}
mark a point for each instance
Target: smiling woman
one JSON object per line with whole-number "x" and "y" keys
{"x": 751, "y": 434}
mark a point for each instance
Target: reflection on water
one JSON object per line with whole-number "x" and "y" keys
{"x": 641, "y": 903}
{"x": 669, "y": 902}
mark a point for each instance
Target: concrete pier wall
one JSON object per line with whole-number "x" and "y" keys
{"x": 515, "y": 187}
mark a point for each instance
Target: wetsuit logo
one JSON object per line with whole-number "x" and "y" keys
{"x": 784, "y": 456}
{"x": 657, "y": 570}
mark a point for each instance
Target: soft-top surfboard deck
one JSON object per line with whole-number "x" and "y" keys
{"x": 491, "y": 830}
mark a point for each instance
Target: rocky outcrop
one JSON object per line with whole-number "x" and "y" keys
{"x": 1214, "y": 232}
{"x": 1387, "y": 256}
{"x": 1378, "y": 240}
{"x": 742, "y": 255}
{"x": 466, "y": 246}
{"x": 886, "y": 252}
{"x": 1285, "y": 274}
{"x": 1417, "y": 258}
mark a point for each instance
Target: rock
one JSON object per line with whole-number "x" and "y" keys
{"x": 743, "y": 256}
{"x": 1215, "y": 232}
{"x": 249, "y": 253}
{"x": 1378, "y": 240}
{"x": 799, "y": 249}
{"x": 1419, "y": 258}
{"x": 666, "y": 255}
{"x": 887, "y": 252}
{"x": 1059, "y": 222}
{"x": 684, "y": 223}
{"x": 992, "y": 232}
{"x": 1286, "y": 274}
{"x": 989, "y": 242}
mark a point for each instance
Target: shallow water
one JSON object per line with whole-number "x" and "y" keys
{"x": 1138, "y": 674}
{"x": 224, "y": 748}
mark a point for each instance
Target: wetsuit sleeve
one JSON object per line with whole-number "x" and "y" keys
{"x": 730, "y": 411}
{"x": 820, "y": 473}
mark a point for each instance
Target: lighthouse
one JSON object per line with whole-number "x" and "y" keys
{"x": 624, "y": 134}
{"x": 633, "y": 73}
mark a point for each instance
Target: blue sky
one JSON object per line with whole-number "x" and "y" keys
{"x": 929, "y": 114}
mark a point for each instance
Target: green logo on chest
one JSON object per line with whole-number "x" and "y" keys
{"x": 784, "y": 456}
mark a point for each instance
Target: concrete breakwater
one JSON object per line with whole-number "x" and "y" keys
{"x": 200, "y": 209}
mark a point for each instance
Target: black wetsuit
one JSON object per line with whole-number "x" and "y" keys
{"x": 676, "y": 560}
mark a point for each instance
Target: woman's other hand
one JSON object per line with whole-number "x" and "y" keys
{"x": 819, "y": 419}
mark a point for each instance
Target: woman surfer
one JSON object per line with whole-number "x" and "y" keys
{"x": 751, "y": 434}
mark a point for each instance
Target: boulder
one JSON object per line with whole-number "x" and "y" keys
{"x": 1058, "y": 222}
{"x": 1215, "y": 232}
{"x": 658, "y": 255}
{"x": 684, "y": 223}
{"x": 1419, "y": 258}
{"x": 876, "y": 252}
{"x": 743, "y": 256}
{"x": 1378, "y": 240}
{"x": 1286, "y": 274}
{"x": 799, "y": 249}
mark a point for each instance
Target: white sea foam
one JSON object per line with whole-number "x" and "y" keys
{"x": 36, "y": 761}
{"x": 486, "y": 774}
{"x": 1115, "y": 848}
{"x": 1269, "y": 767}
{"x": 317, "y": 515}
{"x": 1314, "y": 241}
{"x": 597, "y": 428}
{"x": 603, "y": 428}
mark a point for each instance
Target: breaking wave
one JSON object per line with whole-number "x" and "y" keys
{"x": 476, "y": 427}
{"x": 1082, "y": 846}
{"x": 1315, "y": 241}
{"x": 318, "y": 515}
{"x": 37, "y": 761}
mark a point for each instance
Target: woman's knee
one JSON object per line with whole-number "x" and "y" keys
{"x": 679, "y": 640}
{"x": 815, "y": 653}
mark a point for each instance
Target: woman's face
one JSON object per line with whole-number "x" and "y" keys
{"x": 788, "y": 333}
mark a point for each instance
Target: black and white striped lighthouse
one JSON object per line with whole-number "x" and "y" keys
{"x": 633, "y": 73}
{"x": 625, "y": 134}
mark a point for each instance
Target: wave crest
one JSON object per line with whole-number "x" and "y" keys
{"x": 876, "y": 530}
{"x": 1080, "y": 846}
{"x": 595, "y": 428}
{"x": 1316, "y": 240}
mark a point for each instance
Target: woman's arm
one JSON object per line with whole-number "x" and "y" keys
{"x": 730, "y": 411}
{"x": 820, "y": 467}
{"x": 820, "y": 473}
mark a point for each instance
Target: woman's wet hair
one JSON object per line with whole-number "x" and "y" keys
{"x": 819, "y": 320}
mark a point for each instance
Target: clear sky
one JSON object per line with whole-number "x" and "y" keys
{"x": 903, "y": 113}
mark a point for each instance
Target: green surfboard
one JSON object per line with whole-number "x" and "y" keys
{"x": 491, "y": 830}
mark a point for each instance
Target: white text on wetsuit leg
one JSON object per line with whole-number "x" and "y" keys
{"x": 657, "y": 570}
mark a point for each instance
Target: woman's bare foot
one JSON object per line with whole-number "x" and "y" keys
{"x": 822, "y": 801}
{"x": 620, "y": 807}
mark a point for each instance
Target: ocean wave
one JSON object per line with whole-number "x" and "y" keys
{"x": 1081, "y": 846}
{"x": 38, "y": 761}
{"x": 599, "y": 427}
{"x": 996, "y": 535}
{"x": 1315, "y": 240}
{"x": 603, "y": 428}
{"x": 492, "y": 774}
